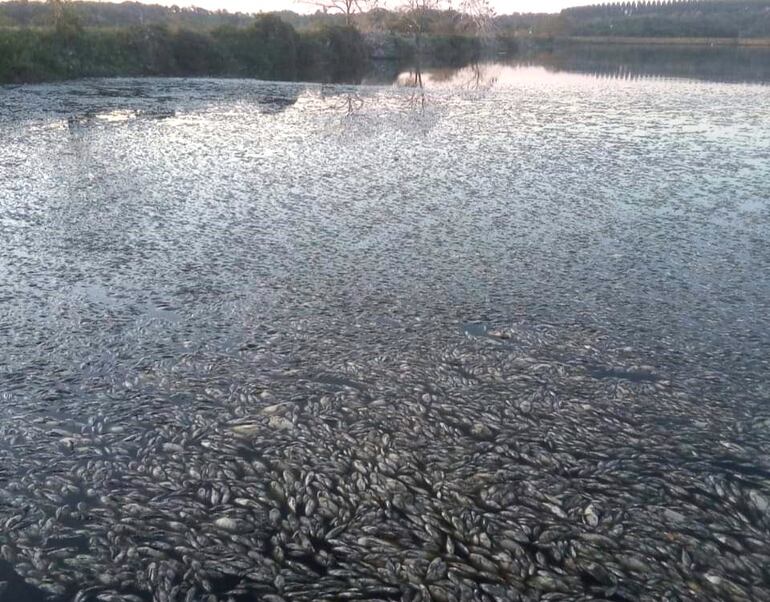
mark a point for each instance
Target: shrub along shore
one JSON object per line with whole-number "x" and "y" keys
{"x": 268, "y": 49}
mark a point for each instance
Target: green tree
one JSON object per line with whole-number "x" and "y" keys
{"x": 267, "y": 49}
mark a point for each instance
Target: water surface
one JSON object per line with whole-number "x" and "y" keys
{"x": 499, "y": 336}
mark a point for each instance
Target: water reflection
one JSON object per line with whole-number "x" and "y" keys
{"x": 412, "y": 81}
{"x": 348, "y": 102}
{"x": 103, "y": 102}
{"x": 618, "y": 62}
{"x": 476, "y": 76}
{"x": 725, "y": 65}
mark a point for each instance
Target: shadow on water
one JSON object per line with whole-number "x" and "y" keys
{"x": 13, "y": 587}
{"x": 271, "y": 104}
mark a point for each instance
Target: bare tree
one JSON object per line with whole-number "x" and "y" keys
{"x": 480, "y": 14}
{"x": 57, "y": 11}
{"x": 346, "y": 7}
{"x": 416, "y": 15}
{"x": 64, "y": 19}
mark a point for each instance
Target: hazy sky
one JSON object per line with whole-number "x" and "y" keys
{"x": 249, "y": 6}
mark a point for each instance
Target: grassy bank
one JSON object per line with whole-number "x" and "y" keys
{"x": 267, "y": 49}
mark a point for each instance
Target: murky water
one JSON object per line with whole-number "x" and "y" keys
{"x": 503, "y": 337}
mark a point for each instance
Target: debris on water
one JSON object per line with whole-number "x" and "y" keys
{"x": 535, "y": 373}
{"x": 280, "y": 423}
{"x": 631, "y": 375}
{"x": 247, "y": 429}
{"x": 591, "y": 516}
{"x": 475, "y": 329}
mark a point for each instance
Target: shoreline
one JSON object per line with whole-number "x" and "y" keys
{"x": 641, "y": 41}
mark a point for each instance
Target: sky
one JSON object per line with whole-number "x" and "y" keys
{"x": 252, "y": 6}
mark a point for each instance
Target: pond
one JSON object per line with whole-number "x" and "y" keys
{"x": 491, "y": 333}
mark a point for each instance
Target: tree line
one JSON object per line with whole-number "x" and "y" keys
{"x": 365, "y": 15}
{"x": 57, "y": 39}
{"x": 268, "y": 48}
{"x": 649, "y": 18}
{"x": 23, "y": 13}
{"x": 671, "y": 18}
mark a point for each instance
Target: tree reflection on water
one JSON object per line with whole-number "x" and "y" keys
{"x": 412, "y": 81}
{"x": 348, "y": 102}
{"x": 626, "y": 62}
